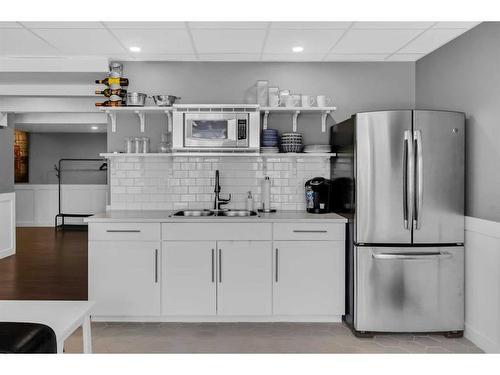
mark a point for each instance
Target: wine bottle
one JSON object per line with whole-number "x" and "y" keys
{"x": 109, "y": 92}
{"x": 112, "y": 81}
{"x": 110, "y": 103}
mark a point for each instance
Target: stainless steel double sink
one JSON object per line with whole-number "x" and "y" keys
{"x": 215, "y": 213}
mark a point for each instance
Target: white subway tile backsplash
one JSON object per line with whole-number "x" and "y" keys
{"x": 187, "y": 182}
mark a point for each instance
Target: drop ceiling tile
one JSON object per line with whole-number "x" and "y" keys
{"x": 159, "y": 57}
{"x": 405, "y": 57}
{"x": 374, "y": 41}
{"x": 293, "y": 56}
{"x": 228, "y": 41}
{"x": 229, "y": 56}
{"x": 392, "y": 25}
{"x": 81, "y": 41}
{"x": 20, "y": 42}
{"x": 456, "y": 25}
{"x": 431, "y": 40}
{"x": 310, "y": 25}
{"x": 356, "y": 57}
{"x": 313, "y": 41}
{"x": 157, "y": 41}
{"x": 145, "y": 25}
{"x": 10, "y": 25}
{"x": 63, "y": 25}
{"x": 228, "y": 25}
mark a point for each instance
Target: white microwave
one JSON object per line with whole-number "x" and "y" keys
{"x": 207, "y": 129}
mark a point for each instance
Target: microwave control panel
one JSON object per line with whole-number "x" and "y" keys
{"x": 242, "y": 129}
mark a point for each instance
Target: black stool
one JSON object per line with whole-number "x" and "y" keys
{"x": 27, "y": 338}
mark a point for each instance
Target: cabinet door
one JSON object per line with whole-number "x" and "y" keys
{"x": 308, "y": 278}
{"x": 244, "y": 277}
{"x": 124, "y": 278}
{"x": 188, "y": 278}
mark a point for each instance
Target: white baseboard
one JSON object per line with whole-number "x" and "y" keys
{"x": 7, "y": 224}
{"x": 480, "y": 340}
{"x": 482, "y": 283}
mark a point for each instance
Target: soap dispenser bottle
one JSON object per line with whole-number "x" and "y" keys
{"x": 249, "y": 201}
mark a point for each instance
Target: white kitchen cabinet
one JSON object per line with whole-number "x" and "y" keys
{"x": 308, "y": 278}
{"x": 124, "y": 278}
{"x": 244, "y": 274}
{"x": 188, "y": 278}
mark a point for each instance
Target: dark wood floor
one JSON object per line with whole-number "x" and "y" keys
{"x": 48, "y": 265}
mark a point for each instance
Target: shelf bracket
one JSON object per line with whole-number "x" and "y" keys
{"x": 266, "y": 115}
{"x": 142, "y": 119}
{"x": 324, "y": 116}
{"x": 112, "y": 117}
{"x": 169, "y": 121}
{"x": 294, "y": 120}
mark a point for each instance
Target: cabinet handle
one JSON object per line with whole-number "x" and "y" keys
{"x": 276, "y": 265}
{"x": 156, "y": 265}
{"x": 309, "y": 231}
{"x": 220, "y": 265}
{"x": 123, "y": 231}
{"x": 213, "y": 265}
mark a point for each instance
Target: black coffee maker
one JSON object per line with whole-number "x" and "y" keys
{"x": 318, "y": 195}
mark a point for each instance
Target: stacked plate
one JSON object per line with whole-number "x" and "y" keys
{"x": 269, "y": 150}
{"x": 291, "y": 142}
{"x": 317, "y": 148}
{"x": 270, "y": 138}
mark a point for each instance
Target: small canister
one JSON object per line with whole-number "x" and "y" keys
{"x": 129, "y": 145}
{"x": 137, "y": 145}
{"x": 145, "y": 145}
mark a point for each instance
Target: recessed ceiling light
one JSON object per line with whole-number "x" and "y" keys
{"x": 135, "y": 49}
{"x": 298, "y": 49}
{"x": 94, "y": 127}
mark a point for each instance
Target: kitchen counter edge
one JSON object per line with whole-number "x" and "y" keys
{"x": 153, "y": 216}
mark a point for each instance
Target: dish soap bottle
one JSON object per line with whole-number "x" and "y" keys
{"x": 249, "y": 201}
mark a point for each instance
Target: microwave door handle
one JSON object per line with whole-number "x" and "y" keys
{"x": 419, "y": 181}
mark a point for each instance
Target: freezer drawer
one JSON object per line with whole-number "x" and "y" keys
{"x": 409, "y": 289}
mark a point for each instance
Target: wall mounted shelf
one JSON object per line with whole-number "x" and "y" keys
{"x": 218, "y": 154}
{"x": 141, "y": 114}
{"x": 296, "y": 111}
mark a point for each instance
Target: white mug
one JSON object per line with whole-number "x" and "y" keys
{"x": 324, "y": 101}
{"x": 307, "y": 101}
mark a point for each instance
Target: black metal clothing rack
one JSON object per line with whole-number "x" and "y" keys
{"x": 59, "y": 170}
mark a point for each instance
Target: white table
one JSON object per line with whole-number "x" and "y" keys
{"x": 64, "y": 317}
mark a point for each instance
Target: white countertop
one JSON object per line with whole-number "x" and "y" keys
{"x": 157, "y": 216}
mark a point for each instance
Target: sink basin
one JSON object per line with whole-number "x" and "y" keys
{"x": 194, "y": 213}
{"x": 238, "y": 213}
{"x": 205, "y": 213}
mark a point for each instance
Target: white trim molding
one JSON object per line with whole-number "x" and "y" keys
{"x": 482, "y": 283}
{"x": 7, "y": 224}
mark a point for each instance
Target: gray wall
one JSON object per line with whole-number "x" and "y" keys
{"x": 45, "y": 150}
{"x": 464, "y": 75}
{"x": 354, "y": 87}
{"x": 6, "y": 160}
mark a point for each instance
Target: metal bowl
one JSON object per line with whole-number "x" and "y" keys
{"x": 135, "y": 99}
{"x": 165, "y": 100}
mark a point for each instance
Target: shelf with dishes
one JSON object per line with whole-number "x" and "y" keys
{"x": 295, "y": 112}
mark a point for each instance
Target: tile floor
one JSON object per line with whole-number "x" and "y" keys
{"x": 255, "y": 338}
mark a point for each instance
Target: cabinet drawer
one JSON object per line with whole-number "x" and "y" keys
{"x": 216, "y": 231}
{"x": 309, "y": 231}
{"x": 124, "y": 231}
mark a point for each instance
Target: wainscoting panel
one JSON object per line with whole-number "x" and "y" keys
{"x": 482, "y": 283}
{"x": 37, "y": 205}
{"x": 7, "y": 224}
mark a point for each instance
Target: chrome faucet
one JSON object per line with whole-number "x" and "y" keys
{"x": 218, "y": 201}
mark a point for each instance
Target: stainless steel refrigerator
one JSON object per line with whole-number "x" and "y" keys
{"x": 399, "y": 178}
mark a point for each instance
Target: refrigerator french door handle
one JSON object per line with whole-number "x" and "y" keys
{"x": 408, "y": 180}
{"x": 393, "y": 256}
{"x": 419, "y": 183}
